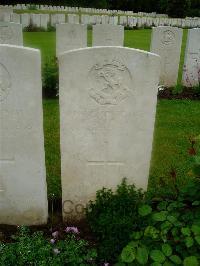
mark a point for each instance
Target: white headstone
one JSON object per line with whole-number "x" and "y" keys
{"x": 108, "y": 35}
{"x": 44, "y": 20}
{"x": 70, "y": 36}
{"x": 5, "y": 14}
{"x": 23, "y": 193}
{"x": 11, "y": 33}
{"x": 191, "y": 70}
{"x": 166, "y": 42}
{"x": 108, "y": 101}
{"x": 25, "y": 20}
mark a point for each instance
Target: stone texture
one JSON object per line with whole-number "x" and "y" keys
{"x": 108, "y": 35}
{"x": 191, "y": 69}
{"x": 23, "y": 193}
{"x": 70, "y": 36}
{"x": 166, "y": 41}
{"x": 5, "y": 14}
{"x": 107, "y": 104}
{"x": 11, "y": 33}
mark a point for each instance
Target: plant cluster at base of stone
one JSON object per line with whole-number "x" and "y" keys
{"x": 170, "y": 232}
{"x": 112, "y": 216}
{"x": 35, "y": 249}
{"x": 50, "y": 79}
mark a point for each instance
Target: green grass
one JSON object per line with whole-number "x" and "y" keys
{"x": 176, "y": 120}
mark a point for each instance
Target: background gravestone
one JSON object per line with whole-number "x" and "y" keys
{"x": 107, "y": 104}
{"x": 166, "y": 42}
{"x": 11, "y": 33}
{"x": 23, "y": 193}
{"x": 108, "y": 35}
{"x": 5, "y": 14}
{"x": 70, "y": 36}
{"x": 191, "y": 70}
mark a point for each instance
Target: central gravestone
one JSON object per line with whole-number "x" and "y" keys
{"x": 11, "y": 33}
{"x": 23, "y": 193}
{"x": 107, "y": 104}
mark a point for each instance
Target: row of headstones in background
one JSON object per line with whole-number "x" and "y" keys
{"x": 166, "y": 42}
{"x": 74, "y": 36}
{"x": 107, "y": 108}
{"x": 43, "y": 20}
{"x": 84, "y": 10}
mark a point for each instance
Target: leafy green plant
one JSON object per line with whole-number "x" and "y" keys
{"x": 35, "y": 249}
{"x": 112, "y": 216}
{"x": 170, "y": 232}
{"x": 50, "y": 78}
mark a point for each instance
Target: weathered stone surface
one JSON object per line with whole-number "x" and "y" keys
{"x": 166, "y": 42}
{"x": 11, "y": 33}
{"x": 5, "y": 14}
{"x": 108, "y": 35}
{"x": 191, "y": 69}
{"x": 23, "y": 193}
{"x": 70, "y": 36}
{"x": 107, "y": 102}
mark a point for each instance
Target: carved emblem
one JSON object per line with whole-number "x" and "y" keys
{"x": 168, "y": 37}
{"x": 6, "y": 34}
{"x": 5, "y": 83}
{"x": 110, "y": 82}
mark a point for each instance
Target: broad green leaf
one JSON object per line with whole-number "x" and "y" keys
{"x": 151, "y": 231}
{"x": 156, "y": 264}
{"x": 167, "y": 250}
{"x": 189, "y": 241}
{"x": 196, "y": 229}
{"x": 162, "y": 206}
{"x": 197, "y": 238}
{"x": 142, "y": 255}
{"x": 196, "y": 203}
{"x": 168, "y": 263}
{"x": 191, "y": 261}
{"x": 176, "y": 259}
{"x": 160, "y": 216}
{"x": 171, "y": 219}
{"x": 186, "y": 231}
{"x": 144, "y": 210}
{"x": 137, "y": 235}
{"x": 197, "y": 159}
{"x": 128, "y": 254}
{"x": 157, "y": 256}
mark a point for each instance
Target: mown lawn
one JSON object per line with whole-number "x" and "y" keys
{"x": 176, "y": 120}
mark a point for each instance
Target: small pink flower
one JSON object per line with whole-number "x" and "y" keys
{"x": 56, "y": 251}
{"x": 106, "y": 264}
{"x": 55, "y": 234}
{"x": 72, "y": 229}
{"x": 52, "y": 241}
